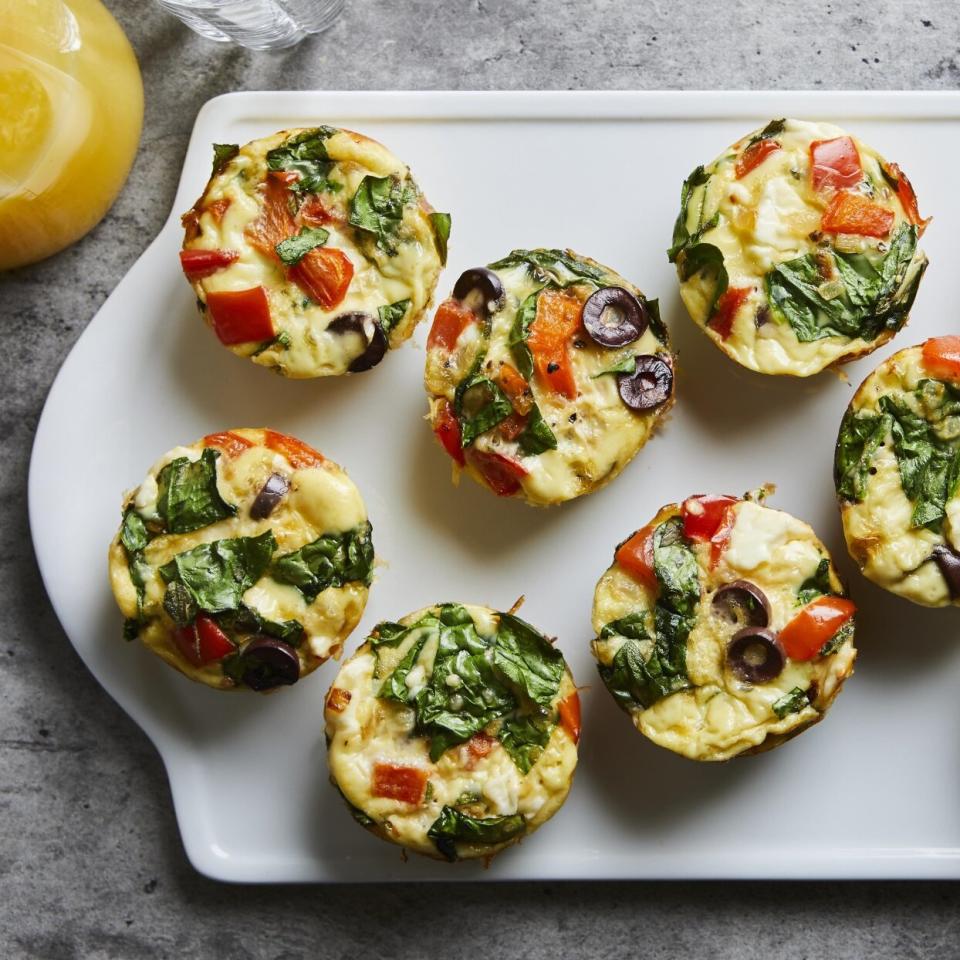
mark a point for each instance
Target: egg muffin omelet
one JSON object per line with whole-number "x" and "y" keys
{"x": 546, "y": 373}
{"x": 312, "y": 251}
{"x": 897, "y": 473}
{"x": 722, "y": 627}
{"x": 797, "y": 248}
{"x": 454, "y": 731}
{"x": 243, "y": 560}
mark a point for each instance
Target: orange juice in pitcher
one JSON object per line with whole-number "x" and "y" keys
{"x": 71, "y": 109}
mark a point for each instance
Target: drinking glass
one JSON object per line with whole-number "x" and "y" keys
{"x": 258, "y": 24}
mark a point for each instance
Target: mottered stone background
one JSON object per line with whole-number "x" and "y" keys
{"x": 91, "y": 864}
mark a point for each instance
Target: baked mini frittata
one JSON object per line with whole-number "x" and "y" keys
{"x": 546, "y": 373}
{"x": 454, "y": 731}
{"x": 312, "y": 251}
{"x": 722, "y": 627}
{"x": 243, "y": 560}
{"x": 897, "y": 473}
{"x": 797, "y": 248}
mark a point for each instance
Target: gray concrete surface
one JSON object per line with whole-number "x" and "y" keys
{"x": 91, "y": 864}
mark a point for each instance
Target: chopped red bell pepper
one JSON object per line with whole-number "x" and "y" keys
{"x": 941, "y": 357}
{"x": 908, "y": 199}
{"x": 803, "y": 637}
{"x": 703, "y": 515}
{"x": 324, "y": 274}
{"x": 232, "y": 444}
{"x": 558, "y": 317}
{"x": 317, "y": 212}
{"x": 501, "y": 474}
{"x": 451, "y": 320}
{"x": 337, "y": 699}
{"x": 569, "y": 710}
{"x": 511, "y": 382}
{"x": 217, "y": 208}
{"x": 275, "y": 221}
{"x": 635, "y": 556}
{"x": 725, "y": 312}
{"x": 721, "y": 539}
{"x": 834, "y": 164}
{"x": 240, "y": 316}
{"x": 512, "y": 427}
{"x": 198, "y": 264}
{"x": 447, "y": 431}
{"x": 754, "y": 155}
{"x": 397, "y": 782}
{"x": 478, "y": 746}
{"x": 202, "y": 641}
{"x": 853, "y": 213}
{"x": 300, "y": 455}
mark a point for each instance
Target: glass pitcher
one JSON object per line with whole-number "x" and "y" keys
{"x": 71, "y": 109}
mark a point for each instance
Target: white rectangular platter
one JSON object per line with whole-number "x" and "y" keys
{"x": 873, "y": 791}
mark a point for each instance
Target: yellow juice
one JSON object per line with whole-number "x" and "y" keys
{"x": 71, "y": 109}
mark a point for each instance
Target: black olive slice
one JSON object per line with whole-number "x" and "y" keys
{"x": 271, "y": 493}
{"x": 370, "y": 331}
{"x": 648, "y": 386}
{"x": 614, "y": 317}
{"x": 479, "y": 289}
{"x": 268, "y": 663}
{"x": 755, "y": 655}
{"x": 948, "y": 560}
{"x": 742, "y": 603}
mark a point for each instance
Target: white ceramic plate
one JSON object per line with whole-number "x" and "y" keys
{"x": 873, "y": 791}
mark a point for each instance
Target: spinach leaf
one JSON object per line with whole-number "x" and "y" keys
{"x": 816, "y": 586}
{"x": 292, "y": 250}
{"x": 188, "y": 497}
{"x": 837, "y": 640}
{"x": 537, "y": 436}
{"x": 452, "y": 825}
{"x": 392, "y": 313}
{"x": 463, "y": 694}
{"x": 772, "y": 129}
{"x": 133, "y": 532}
{"x": 377, "y": 208}
{"x": 520, "y": 331}
{"x": 329, "y": 561}
{"x": 479, "y": 405}
{"x": 873, "y": 298}
{"x": 627, "y": 365}
{"x": 676, "y": 568}
{"x": 217, "y": 574}
{"x": 134, "y": 537}
{"x": 792, "y": 702}
{"x": 306, "y": 154}
{"x": 441, "y": 233}
{"x": 859, "y": 438}
{"x": 245, "y": 620}
{"x": 634, "y": 681}
{"x": 929, "y": 467}
{"x": 527, "y": 659}
{"x": 657, "y": 325}
{"x": 707, "y": 259}
{"x": 547, "y": 265}
{"x": 178, "y": 602}
{"x": 682, "y": 237}
{"x": 131, "y": 628}
{"x": 388, "y": 634}
{"x": 223, "y": 153}
{"x": 395, "y": 686}
{"x": 524, "y": 738}
{"x": 632, "y": 626}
